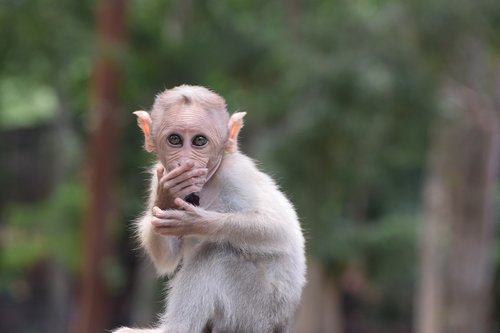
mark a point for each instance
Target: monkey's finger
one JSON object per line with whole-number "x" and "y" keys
{"x": 160, "y": 170}
{"x": 194, "y": 181}
{"x": 179, "y": 170}
{"x": 191, "y": 177}
{"x": 165, "y": 222}
{"x": 169, "y": 231}
{"x": 170, "y": 227}
{"x": 168, "y": 214}
{"x": 158, "y": 212}
{"x": 184, "y": 205}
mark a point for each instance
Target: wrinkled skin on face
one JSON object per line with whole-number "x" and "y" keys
{"x": 189, "y": 143}
{"x": 188, "y": 133}
{"x": 189, "y": 138}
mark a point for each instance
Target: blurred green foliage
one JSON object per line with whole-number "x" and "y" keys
{"x": 17, "y": 97}
{"x": 48, "y": 229}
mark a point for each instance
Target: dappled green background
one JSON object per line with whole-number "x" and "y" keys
{"x": 340, "y": 95}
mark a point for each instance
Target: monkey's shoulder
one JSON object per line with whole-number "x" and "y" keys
{"x": 240, "y": 169}
{"x": 243, "y": 186}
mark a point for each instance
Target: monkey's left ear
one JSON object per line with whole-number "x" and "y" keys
{"x": 145, "y": 123}
{"x": 235, "y": 125}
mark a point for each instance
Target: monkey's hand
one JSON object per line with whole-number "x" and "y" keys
{"x": 178, "y": 183}
{"x": 189, "y": 220}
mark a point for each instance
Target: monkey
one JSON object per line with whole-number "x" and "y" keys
{"x": 220, "y": 228}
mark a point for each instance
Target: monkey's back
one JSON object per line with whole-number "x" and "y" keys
{"x": 254, "y": 286}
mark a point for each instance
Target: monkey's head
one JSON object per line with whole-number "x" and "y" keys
{"x": 190, "y": 123}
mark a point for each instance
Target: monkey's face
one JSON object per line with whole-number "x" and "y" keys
{"x": 189, "y": 133}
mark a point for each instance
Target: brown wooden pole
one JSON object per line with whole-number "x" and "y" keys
{"x": 94, "y": 302}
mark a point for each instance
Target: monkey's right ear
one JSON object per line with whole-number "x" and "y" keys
{"x": 235, "y": 125}
{"x": 145, "y": 123}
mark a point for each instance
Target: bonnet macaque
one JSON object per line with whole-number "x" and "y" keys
{"x": 225, "y": 229}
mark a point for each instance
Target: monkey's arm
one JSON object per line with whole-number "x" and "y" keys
{"x": 270, "y": 229}
{"x": 164, "y": 251}
{"x": 255, "y": 215}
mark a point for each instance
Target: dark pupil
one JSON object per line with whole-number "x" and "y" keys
{"x": 200, "y": 140}
{"x": 175, "y": 139}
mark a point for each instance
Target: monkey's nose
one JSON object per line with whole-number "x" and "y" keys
{"x": 184, "y": 162}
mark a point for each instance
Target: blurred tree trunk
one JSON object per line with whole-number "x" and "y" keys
{"x": 320, "y": 309}
{"x": 147, "y": 296}
{"x": 94, "y": 302}
{"x": 293, "y": 11}
{"x": 456, "y": 243}
{"x": 178, "y": 22}
{"x": 470, "y": 270}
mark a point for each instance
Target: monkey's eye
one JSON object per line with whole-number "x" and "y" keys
{"x": 174, "y": 139}
{"x": 200, "y": 141}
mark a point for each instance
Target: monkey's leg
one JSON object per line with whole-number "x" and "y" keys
{"x": 138, "y": 330}
{"x": 190, "y": 301}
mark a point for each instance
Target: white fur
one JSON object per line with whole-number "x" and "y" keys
{"x": 246, "y": 277}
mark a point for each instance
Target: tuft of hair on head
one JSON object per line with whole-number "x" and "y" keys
{"x": 192, "y": 95}
{"x": 187, "y": 94}
{"x": 186, "y": 99}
